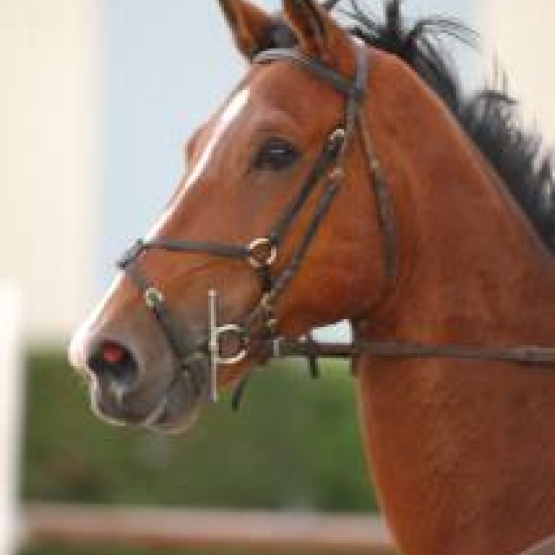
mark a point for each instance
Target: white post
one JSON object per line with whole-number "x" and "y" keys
{"x": 11, "y": 391}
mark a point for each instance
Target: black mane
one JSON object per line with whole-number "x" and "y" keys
{"x": 490, "y": 117}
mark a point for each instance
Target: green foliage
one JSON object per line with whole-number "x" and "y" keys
{"x": 295, "y": 444}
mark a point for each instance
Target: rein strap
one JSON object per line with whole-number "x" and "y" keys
{"x": 400, "y": 350}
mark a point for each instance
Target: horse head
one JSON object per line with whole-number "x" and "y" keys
{"x": 270, "y": 224}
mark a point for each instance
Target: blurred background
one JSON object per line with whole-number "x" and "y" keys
{"x": 97, "y": 99}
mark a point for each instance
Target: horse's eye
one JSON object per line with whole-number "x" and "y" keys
{"x": 276, "y": 154}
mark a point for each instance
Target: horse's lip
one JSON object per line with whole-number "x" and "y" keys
{"x": 170, "y": 412}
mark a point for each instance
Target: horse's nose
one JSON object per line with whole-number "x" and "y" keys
{"x": 113, "y": 362}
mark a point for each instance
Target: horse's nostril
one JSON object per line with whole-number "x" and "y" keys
{"x": 114, "y": 362}
{"x": 112, "y": 352}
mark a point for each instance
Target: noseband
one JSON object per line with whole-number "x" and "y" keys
{"x": 258, "y": 332}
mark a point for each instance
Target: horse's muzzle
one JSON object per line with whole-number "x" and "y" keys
{"x": 163, "y": 394}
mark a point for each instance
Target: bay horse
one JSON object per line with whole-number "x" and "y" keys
{"x": 348, "y": 177}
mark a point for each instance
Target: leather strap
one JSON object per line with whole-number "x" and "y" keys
{"x": 407, "y": 350}
{"x": 176, "y": 246}
{"x": 328, "y": 156}
{"x": 322, "y": 72}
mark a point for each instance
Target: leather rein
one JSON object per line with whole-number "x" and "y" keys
{"x": 258, "y": 333}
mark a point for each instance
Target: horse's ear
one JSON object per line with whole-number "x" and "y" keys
{"x": 317, "y": 32}
{"x": 248, "y": 23}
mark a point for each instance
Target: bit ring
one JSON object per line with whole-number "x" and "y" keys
{"x": 241, "y": 354}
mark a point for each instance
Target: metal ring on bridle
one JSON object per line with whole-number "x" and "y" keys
{"x": 153, "y": 297}
{"x": 258, "y": 245}
{"x": 241, "y": 354}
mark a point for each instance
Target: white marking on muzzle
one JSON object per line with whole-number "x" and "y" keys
{"x": 78, "y": 345}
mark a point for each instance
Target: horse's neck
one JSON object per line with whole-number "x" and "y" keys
{"x": 462, "y": 452}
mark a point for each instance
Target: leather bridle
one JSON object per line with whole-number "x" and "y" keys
{"x": 259, "y": 330}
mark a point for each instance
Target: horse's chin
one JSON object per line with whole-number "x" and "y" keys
{"x": 170, "y": 425}
{"x": 177, "y": 411}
